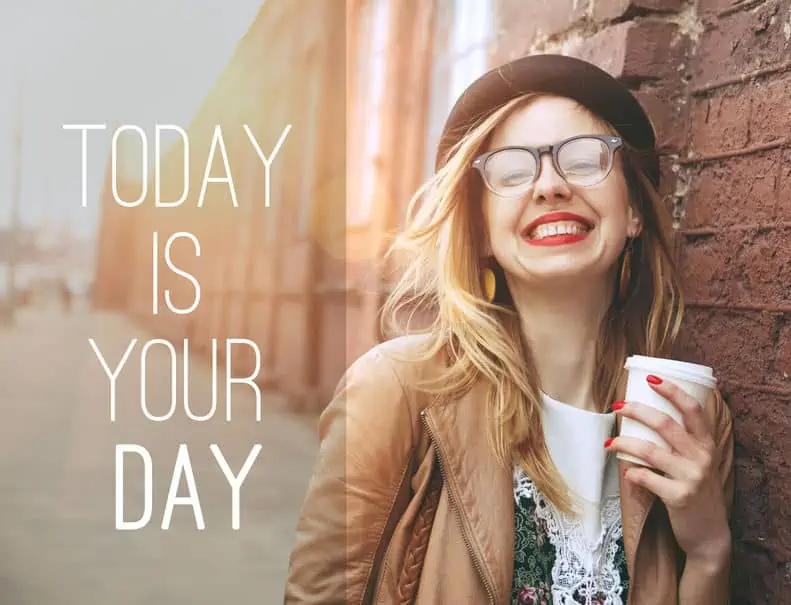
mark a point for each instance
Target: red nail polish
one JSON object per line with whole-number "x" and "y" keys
{"x": 653, "y": 379}
{"x": 618, "y": 405}
{"x": 608, "y": 443}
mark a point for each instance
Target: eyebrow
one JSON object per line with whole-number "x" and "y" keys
{"x": 554, "y": 142}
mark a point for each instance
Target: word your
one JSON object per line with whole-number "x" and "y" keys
{"x": 217, "y": 143}
{"x": 185, "y": 353}
{"x": 182, "y": 468}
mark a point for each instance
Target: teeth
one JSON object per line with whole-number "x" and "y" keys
{"x": 559, "y": 228}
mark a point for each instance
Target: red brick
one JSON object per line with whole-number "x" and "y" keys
{"x": 525, "y": 22}
{"x": 770, "y": 117}
{"x": 783, "y": 359}
{"x": 779, "y": 501}
{"x": 713, "y": 6}
{"x": 295, "y": 272}
{"x": 336, "y": 343}
{"x": 333, "y": 270}
{"x": 668, "y": 116}
{"x": 741, "y": 42}
{"x": 754, "y": 577}
{"x": 736, "y": 191}
{"x": 783, "y": 582}
{"x": 737, "y": 267}
{"x": 750, "y": 505}
{"x": 614, "y": 9}
{"x": 634, "y": 50}
{"x": 762, "y": 428}
{"x": 784, "y": 187}
{"x": 720, "y": 124}
{"x": 737, "y": 345}
{"x": 667, "y": 184}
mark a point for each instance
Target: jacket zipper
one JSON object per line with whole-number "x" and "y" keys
{"x": 454, "y": 504}
{"x": 630, "y": 599}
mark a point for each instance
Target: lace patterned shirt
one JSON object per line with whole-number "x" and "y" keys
{"x": 571, "y": 560}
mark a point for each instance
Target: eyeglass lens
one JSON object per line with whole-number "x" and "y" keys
{"x": 583, "y": 161}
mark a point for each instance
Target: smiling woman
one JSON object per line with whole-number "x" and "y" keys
{"x": 576, "y": 198}
{"x": 482, "y": 450}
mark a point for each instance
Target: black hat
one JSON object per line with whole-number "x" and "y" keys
{"x": 561, "y": 75}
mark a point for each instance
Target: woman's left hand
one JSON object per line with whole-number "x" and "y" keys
{"x": 687, "y": 479}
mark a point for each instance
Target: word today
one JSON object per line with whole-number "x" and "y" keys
{"x": 217, "y": 144}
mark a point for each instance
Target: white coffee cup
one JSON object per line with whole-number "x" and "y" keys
{"x": 695, "y": 379}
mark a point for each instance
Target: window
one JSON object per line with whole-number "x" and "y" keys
{"x": 313, "y": 113}
{"x": 462, "y": 34}
{"x": 277, "y": 182}
{"x": 372, "y": 71}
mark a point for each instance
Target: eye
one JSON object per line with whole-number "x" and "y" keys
{"x": 515, "y": 177}
{"x": 582, "y": 166}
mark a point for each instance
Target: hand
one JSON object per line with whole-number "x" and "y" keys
{"x": 685, "y": 477}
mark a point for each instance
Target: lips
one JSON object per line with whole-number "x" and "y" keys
{"x": 563, "y": 219}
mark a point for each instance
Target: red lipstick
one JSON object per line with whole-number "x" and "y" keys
{"x": 559, "y": 239}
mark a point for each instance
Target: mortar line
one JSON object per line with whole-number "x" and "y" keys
{"x": 744, "y": 151}
{"x": 709, "y": 230}
{"x": 743, "y": 5}
{"x": 726, "y": 306}
{"x": 761, "y": 388}
{"x": 741, "y": 78}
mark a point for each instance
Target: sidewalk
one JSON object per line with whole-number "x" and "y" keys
{"x": 58, "y": 542}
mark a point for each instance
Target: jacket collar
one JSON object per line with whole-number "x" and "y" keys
{"x": 481, "y": 490}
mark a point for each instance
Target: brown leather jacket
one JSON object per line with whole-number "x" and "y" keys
{"x": 374, "y": 467}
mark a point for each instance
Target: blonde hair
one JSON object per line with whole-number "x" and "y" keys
{"x": 481, "y": 340}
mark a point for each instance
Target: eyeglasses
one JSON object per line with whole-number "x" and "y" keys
{"x": 582, "y": 160}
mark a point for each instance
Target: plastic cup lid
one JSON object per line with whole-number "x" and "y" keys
{"x": 683, "y": 370}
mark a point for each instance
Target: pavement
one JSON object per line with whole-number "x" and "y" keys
{"x": 58, "y": 538}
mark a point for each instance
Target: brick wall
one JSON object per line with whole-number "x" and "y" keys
{"x": 737, "y": 266}
{"x": 715, "y": 76}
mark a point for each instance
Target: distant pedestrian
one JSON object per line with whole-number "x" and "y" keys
{"x": 65, "y": 295}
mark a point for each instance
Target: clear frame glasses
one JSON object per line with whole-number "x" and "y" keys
{"x": 582, "y": 160}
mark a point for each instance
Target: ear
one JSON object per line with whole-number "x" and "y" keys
{"x": 486, "y": 249}
{"x": 484, "y": 243}
{"x": 635, "y": 223}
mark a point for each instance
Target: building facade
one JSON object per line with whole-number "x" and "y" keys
{"x": 305, "y": 278}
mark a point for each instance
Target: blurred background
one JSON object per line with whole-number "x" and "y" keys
{"x": 365, "y": 86}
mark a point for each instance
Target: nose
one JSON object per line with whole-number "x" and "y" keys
{"x": 550, "y": 185}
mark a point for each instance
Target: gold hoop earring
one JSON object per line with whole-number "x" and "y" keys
{"x": 489, "y": 284}
{"x": 625, "y": 276}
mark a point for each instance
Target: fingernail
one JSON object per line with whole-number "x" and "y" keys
{"x": 653, "y": 379}
{"x": 608, "y": 443}
{"x": 618, "y": 405}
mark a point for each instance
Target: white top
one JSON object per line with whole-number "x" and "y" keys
{"x": 575, "y": 440}
{"x": 585, "y": 544}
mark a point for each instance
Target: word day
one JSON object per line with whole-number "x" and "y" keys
{"x": 229, "y": 380}
{"x": 217, "y": 145}
{"x": 182, "y": 468}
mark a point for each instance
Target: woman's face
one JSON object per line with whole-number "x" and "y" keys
{"x": 584, "y": 241}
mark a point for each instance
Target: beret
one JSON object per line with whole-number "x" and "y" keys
{"x": 561, "y": 75}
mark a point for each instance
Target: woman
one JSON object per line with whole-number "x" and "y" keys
{"x": 476, "y": 463}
